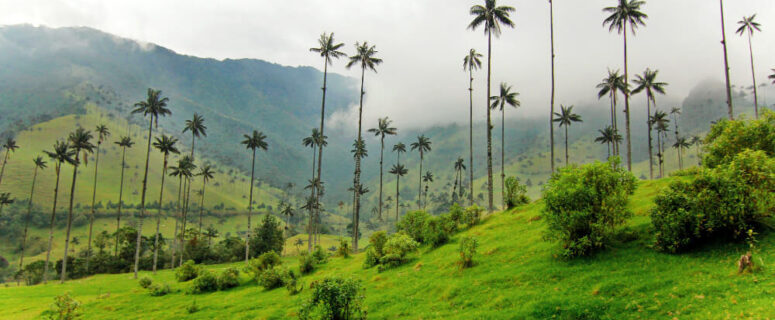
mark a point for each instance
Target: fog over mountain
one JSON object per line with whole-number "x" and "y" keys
{"x": 421, "y": 82}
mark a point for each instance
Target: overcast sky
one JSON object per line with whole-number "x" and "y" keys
{"x": 423, "y": 42}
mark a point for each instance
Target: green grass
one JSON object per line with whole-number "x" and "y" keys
{"x": 516, "y": 275}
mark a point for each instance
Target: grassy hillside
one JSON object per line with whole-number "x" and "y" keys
{"x": 516, "y": 275}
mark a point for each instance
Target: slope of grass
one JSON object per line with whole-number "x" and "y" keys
{"x": 516, "y": 275}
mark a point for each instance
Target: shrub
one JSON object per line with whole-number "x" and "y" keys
{"x": 720, "y": 203}
{"x": 456, "y": 213}
{"x": 205, "y": 282}
{"x": 377, "y": 241}
{"x": 291, "y": 283}
{"x": 516, "y": 194}
{"x": 264, "y": 262}
{"x": 319, "y": 255}
{"x": 584, "y": 204}
{"x": 145, "y": 282}
{"x": 435, "y": 232}
{"x": 306, "y": 263}
{"x": 63, "y": 308}
{"x": 371, "y": 259}
{"x": 344, "y": 249}
{"x": 335, "y": 298}
{"x": 158, "y": 290}
{"x": 187, "y": 271}
{"x": 271, "y": 278}
{"x": 467, "y": 251}
{"x": 267, "y": 237}
{"x": 471, "y": 216}
{"x": 413, "y": 224}
{"x": 448, "y": 223}
{"x": 228, "y": 278}
{"x": 396, "y": 248}
{"x": 727, "y": 138}
{"x": 192, "y": 308}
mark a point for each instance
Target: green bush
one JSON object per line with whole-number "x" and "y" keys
{"x": 448, "y": 222}
{"x": 434, "y": 232}
{"x": 187, "y": 271}
{"x": 720, "y": 203}
{"x": 467, "y": 251}
{"x": 228, "y": 278}
{"x": 205, "y": 282}
{"x": 413, "y": 224}
{"x": 471, "y": 216}
{"x": 272, "y": 278}
{"x": 516, "y": 194}
{"x": 192, "y": 308}
{"x": 371, "y": 259}
{"x": 727, "y": 138}
{"x": 264, "y": 262}
{"x": 267, "y": 237}
{"x": 306, "y": 263}
{"x": 291, "y": 281}
{"x": 319, "y": 255}
{"x": 158, "y": 290}
{"x": 335, "y": 298}
{"x": 377, "y": 241}
{"x": 456, "y": 213}
{"x": 145, "y": 282}
{"x": 344, "y": 249}
{"x": 397, "y": 247}
{"x": 584, "y": 204}
{"x": 63, "y": 308}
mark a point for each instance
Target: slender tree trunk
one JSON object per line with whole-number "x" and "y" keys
{"x": 27, "y": 221}
{"x": 551, "y": 108}
{"x": 158, "y": 215}
{"x": 489, "y": 122}
{"x": 648, "y": 123}
{"x": 320, "y": 148}
{"x": 186, "y": 198}
{"x": 471, "y": 134}
{"x": 627, "y": 103}
{"x": 356, "y": 215}
{"x": 69, "y": 218}
{"x": 120, "y": 195}
{"x": 381, "y": 154}
{"x": 753, "y": 76}
{"x": 608, "y": 144}
{"x": 5, "y": 160}
{"x": 419, "y": 189}
{"x": 311, "y": 209}
{"x": 178, "y": 213}
{"x": 566, "y": 146}
{"x": 726, "y": 63}
{"x": 398, "y": 181}
{"x": 503, "y": 158}
{"x": 51, "y": 228}
{"x": 250, "y": 207}
{"x": 201, "y": 205}
{"x": 93, "y": 200}
{"x": 142, "y": 199}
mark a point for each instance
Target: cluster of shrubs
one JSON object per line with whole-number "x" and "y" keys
{"x": 335, "y": 298}
{"x": 516, "y": 193}
{"x": 267, "y": 271}
{"x": 206, "y": 281}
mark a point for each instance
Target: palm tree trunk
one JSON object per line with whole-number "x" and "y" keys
{"x": 202, "y": 205}
{"x": 185, "y": 220}
{"x": 726, "y": 63}
{"x": 614, "y": 121}
{"x": 142, "y": 199}
{"x": 648, "y": 123}
{"x": 93, "y": 199}
{"x": 503, "y": 158}
{"x": 51, "y": 228}
{"x": 608, "y": 144}
{"x": 419, "y": 189}
{"x": 753, "y": 76}
{"x": 356, "y": 214}
{"x": 178, "y": 213}
{"x": 551, "y": 108}
{"x": 120, "y": 195}
{"x": 27, "y": 221}
{"x": 489, "y": 122}
{"x": 69, "y": 218}
{"x": 566, "y": 146}
{"x": 250, "y": 207}
{"x": 699, "y": 158}
{"x": 320, "y": 148}
{"x": 158, "y": 215}
{"x": 471, "y": 135}
{"x": 311, "y": 209}
{"x": 627, "y": 103}
{"x": 381, "y": 152}
{"x": 5, "y": 160}
{"x": 398, "y": 182}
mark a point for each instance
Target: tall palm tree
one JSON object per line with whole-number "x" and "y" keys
{"x": 490, "y": 16}
{"x": 255, "y": 141}
{"x": 726, "y": 63}
{"x": 427, "y": 178}
{"x": 39, "y": 164}
{"x": 383, "y": 129}
{"x": 359, "y": 152}
{"x": 197, "y": 128}
{"x": 697, "y": 143}
{"x": 102, "y": 134}
{"x": 551, "y": 106}
{"x": 165, "y": 145}
{"x": 749, "y": 26}
{"x": 286, "y": 209}
{"x": 422, "y": 145}
{"x": 328, "y": 49}
{"x": 60, "y": 155}
{"x": 660, "y": 122}
{"x": 471, "y": 62}
{"x": 648, "y": 83}
{"x": 9, "y": 146}
{"x": 206, "y": 172}
{"x": 680, "y": 144}
{"x": 607, "y": 137}
{"x": 565, "y": 118}
{"x": 187, "y": 168}
{"x": 80, "y": 141}
{"x": 154, "y": 106}
{"x": 365, "y": 56}
{"x": 399, "y": 171}
{"x": 675, "y": 112}
{"x": 611, "y": 86}
{"x": 506, "y": 97}
{"x": 315, "y": 140}
{"x": 459, "y": 168}
{"x": 626, "y": 12}
{"x": 177, "y": 171}
{"x": 125, "y": 142}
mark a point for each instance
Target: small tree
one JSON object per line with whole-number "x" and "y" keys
{"x": 64, "y": 308}
{"x": 336, "y": 299}
{"x": 516, "y": 194}
{"x": 467, "y": 251}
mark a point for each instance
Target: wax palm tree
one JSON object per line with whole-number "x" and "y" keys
{"x": 206, "y": 172}
{"x": 165, "y": 145}
{"x": 359, "y": 152}
{"x": 253, "y": 142}
{"x": 9, "y": 146}
{"x": 551, "y": 107}
{"x": 506, "y": 97}
{"x": 565, "y": 118}
{"x": 697, "y": 143}
{"x": 607, "y": 137}
{"x": 383, "y": 129}
{"x": 328, "y": 50}
{"x": 102, "y": 134}
{"x": 287, "y": 210}
{"x": 471, "y": 62}
{"x": 422, "y": 145}
{"x": 197, "y": 128}
{"x": 124, "y": 142}
{"x": 210, "y": 233}
{"x": 772, "y": 76}
{"x": 680, "y": 144}
{"x": 490, "y": 16}
{"x": 365, "y": 56}
{"x": 660, "y": 122}
{"x": 399, "y": 171}
{"x": 187, "y": 171}
{"x": 399, "y": 148}
{"x": 61, "y": 154}
{"x": 176, "y": 171}
{"x": 611, "y": 85}
{"x": 675, "y": 112}
{"x": 154, "y": 107}
{"x": 427, "y": 178}
{"x": 315, "y": 140}
{"x": 80, "y": 142}
{"x": 459, "y": 168}
{"x": 648, "y": 83}
{"x": 626, "y": 12}
{"x": 39, "y": 163}
{"x": 748, "y": 26}
{"x": 726, "y": 63}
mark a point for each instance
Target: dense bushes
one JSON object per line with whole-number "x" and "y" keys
{"x": 271, "y": 278}
{"x": 267, "y": 237}
{"x": 264, "y": 262}
{"x": 467, "y": 250}
{"x": 228, "y": 278}
{"x": 63, "y": 308}
{"x": 344, "y": 249}
{"x": 720, "y": 203}
{"x": 205, "y": 282}
{"x": 516, "y": 194}
{"x": 144, "y": 282}
{"x": 728, "y": 138}
{"x": 413, "y": 224}
{"x": 335, "y": 298}
{"x": 158, "y": 290}
{"x": 397, "y": 247}
{"x": 306, "y": 263}
{"x": 187, "y": 271}
{"x": 584, "y": 204}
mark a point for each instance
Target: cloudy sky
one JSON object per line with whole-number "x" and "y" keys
{"x": 423, "y": 42}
